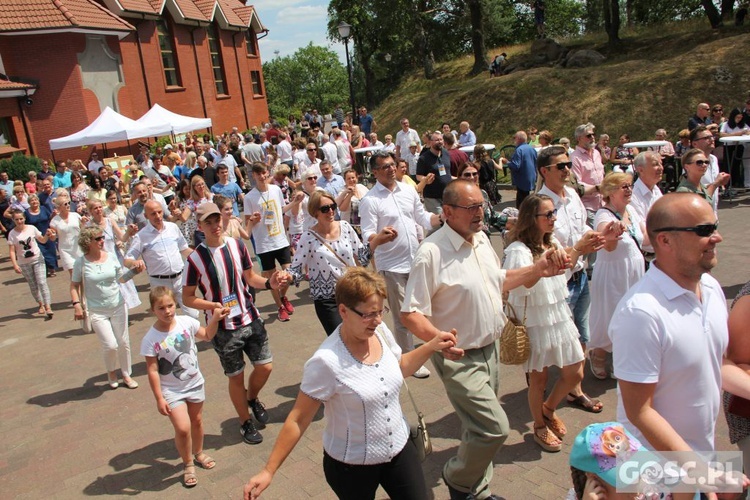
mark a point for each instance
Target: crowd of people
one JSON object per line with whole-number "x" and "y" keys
{"x": 600, "y": 259}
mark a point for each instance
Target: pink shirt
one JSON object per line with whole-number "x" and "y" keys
{"x": 588, "y": 169}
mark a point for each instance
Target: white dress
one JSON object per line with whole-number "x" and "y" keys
{"x": 614, "y": 273}
{"x": 67, "y": 238}
{"x": 549, "y": 322}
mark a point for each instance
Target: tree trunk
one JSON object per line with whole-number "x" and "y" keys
{"x": 369, "y": 84}
{"x": 727, "y": 10}
{"x": 423, "y": 48}
{"x": 712, "y": 12}
{"x": 477, "y": 37}
{"x": 629, "y": 12}
{"x": 612, "y": 21}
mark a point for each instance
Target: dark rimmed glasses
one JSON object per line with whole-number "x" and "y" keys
{"x": 371, "y": 315}
{"x": 702, "y": 230}
{"x": 561, "y": 166}
{"x": 327, "y": 208}
{"x": 549, "y": 215}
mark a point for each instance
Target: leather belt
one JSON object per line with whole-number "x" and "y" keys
{"x": 165, "y": 276}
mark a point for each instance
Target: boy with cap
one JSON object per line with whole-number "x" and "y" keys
{"x": 222, "y": 269}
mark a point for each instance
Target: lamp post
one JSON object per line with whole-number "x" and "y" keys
{"x": 345, "y": 31}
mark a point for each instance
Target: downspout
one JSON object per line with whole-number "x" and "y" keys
{"x": 25, "y": 126}
{"x": 239, "y": 75}
{"x": 140, "y": 57}
{"x": 197, "y": 71}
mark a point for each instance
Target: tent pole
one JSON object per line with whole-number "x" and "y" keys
{"x": 130, "y": 150}
{"x": 52, "y": 152}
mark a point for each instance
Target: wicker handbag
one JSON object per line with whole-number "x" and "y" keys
{"x": 515, "y": 346}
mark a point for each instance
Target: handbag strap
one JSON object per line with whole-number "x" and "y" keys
{"x": 413, "y": 402}
{"x": 632, "y": 223}
{"x": 83, "y": 290}
{"x": 512, "y": 310}
{"x": 325, "y": 244}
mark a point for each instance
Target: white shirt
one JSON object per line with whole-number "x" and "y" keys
{"x": 364, "y": 422}
{"x": 401, "y": 209}
{"x": 284, "y": 150}
{"x": 160, "y": 250}
{"x": 457, "y": 284}
{"x": 403, "y": 139}
{"x": 268, "y": 233}
{"x": 642, "y": 201}
{"x": 330, "y": 153}
{"x": 94, "y": 166}
{"x": 230, "y": 162}
{"x": 570, "y": 225}
{"x": 662, "y": 334}
{"x": 306, "y": 164}
{"x": 712, "y": 172}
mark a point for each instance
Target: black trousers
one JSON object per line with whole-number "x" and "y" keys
{"x": 401, "y": 478}
{"x": 520, "y": 196}
{"x": 328, "y": 314}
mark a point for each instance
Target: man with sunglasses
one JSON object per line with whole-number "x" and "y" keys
{"x": 702, "y": 138}
{"x": 579, "y": 241}
{"x": 588, "y": 169}
{"x": 456, "y": 285}
{"x": 390, "y": 213}
{"x": 669, "y": 334}
{"x": 701, "y": 116}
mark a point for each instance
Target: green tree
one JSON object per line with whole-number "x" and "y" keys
{"x": 311, "y": 77}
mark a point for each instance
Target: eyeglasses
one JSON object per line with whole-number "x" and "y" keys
{"x": 312, "y": 177}
{"x": 702, "y": 163}
{"x": 469, "y": 175}
{"x": 718, "y": 111}
{"x": 561, "y": 166}
{"x": 591, "y": 135}
{"x": 327, "y": 208}
{"x": 370, "y": 315}
{"x": 313, "y": 150}
{"x": 99, "y": 238}
{"x": 471, "y": 208}
{"x": 704, "y": 137}
{"x": 702, "y": 230}
{"x": 66, "y": 204}
{"x": 549, "y": 215}
{"x": 627, "y": 187}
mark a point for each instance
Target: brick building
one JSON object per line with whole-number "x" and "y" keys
{"x": 63, "y": 61}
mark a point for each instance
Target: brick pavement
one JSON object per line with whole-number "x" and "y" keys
{"x": 66, "y": 435}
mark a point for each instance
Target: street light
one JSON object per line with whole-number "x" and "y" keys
{"x": 345, "y": 31}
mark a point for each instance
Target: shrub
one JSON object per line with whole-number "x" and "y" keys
{"x": 18, "y": 166}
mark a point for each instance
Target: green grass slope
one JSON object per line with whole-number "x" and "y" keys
{"x": 654, "y": 80}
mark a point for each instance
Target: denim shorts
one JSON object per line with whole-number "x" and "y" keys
{"x": 251, "y": 340}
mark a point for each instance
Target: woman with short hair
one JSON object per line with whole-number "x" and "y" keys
{"x": 26, "y": 258}
{"x": 357, "y": 374}
{"x": 66, "y": 226}
{"x": 95, "y": 278}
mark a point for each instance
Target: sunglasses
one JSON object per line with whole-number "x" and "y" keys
{"x": 312, "y": 177}
{"x": 591, "y": 135}
{"x": 99, "y": 238}
{"x": 702, "y": 230}
{"x": 549, "y": 215}
{"x": 469, "y": 175}
{"x": 702, "y": 163}
{"x": 327, "y": 208}
{"x": 562, "y": 165}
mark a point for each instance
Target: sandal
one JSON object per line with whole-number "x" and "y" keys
{"x": 584, "y": 402}
{"x": 204, "y": 463}
{"x": 189, "y": 479}
{"x": 554, "y": 424}
{"x": 41, "y": 310}
{"x": 598, "y": 365}
{"x": 546, "y": 439}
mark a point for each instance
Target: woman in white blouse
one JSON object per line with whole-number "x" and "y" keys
{"x": 323, "y": 253}
{"x": 357, "y": 374}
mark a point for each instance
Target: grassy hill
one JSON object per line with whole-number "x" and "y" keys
{"x": 654, "y": 80}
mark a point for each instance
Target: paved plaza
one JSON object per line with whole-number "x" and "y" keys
{"x": 65, "y": 434}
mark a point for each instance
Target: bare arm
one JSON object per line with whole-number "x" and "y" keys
{"x": 152, "y": 370}
{"x": 294, "y": 427}
{"x": 553, "y": 262}
{"x": 421, "y": 327}
{"x": 411, "y": 361}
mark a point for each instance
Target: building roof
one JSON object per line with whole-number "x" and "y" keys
{"x": 31, "y": 15}
{"x": 8, "y": 85}
{"x": 230, "y": 14}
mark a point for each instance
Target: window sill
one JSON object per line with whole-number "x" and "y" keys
{"x": 258, "y": 96}
{"x": 222, "y": 97}
{"x": 175, "y": 88}
{"x": 253, "y": 56}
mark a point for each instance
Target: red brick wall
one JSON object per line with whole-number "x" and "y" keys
{"x": 62, "y": 107}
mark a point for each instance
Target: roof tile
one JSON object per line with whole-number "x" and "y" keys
{"x": 22, "y": 15}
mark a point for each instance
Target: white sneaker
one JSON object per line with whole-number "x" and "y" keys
{"x": 423, "y": 372}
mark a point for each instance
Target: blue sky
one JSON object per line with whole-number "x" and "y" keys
{"x": 293, "y": 24}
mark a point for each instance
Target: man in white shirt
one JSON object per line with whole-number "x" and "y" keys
{"x": 264, "y": 217}
{"x": 646, "y": 190}
{"x": 456, "y": 285}
{"x": 670, "y": 336}
{"x": 330, "y": 154}
{"x": 310, "y": 161}
{"x": 284, "y": 150}
{"x": 159, "y": 248}
{"x": 344, "y": 151}
{"x": 389, "y": 213}
{"x": 95, "y": 164}
{"x": 406, "y": 136}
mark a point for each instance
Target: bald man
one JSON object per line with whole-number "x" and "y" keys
{"x": 159, "y": 248}
{"x": 669, "y": 333}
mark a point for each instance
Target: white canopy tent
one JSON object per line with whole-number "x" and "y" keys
{"x": 110, "y": 126}
{"x": 177, "y": 124}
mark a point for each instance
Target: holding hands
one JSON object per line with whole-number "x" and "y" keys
{"x": 613, "y": 231}
{"x": 591, "y": 242}
{"x": 553, "y": 262}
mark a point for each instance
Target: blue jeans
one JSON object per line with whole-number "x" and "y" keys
{"x": 579, "y": 301}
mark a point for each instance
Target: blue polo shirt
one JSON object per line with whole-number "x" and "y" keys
{"x": 62, "y": 180}
{"x": 231, "y": 190}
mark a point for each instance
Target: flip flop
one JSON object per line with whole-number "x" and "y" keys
{"x": 584, "y": 402}
{"x": 205, "y": 463}
{"x": 189, "y": 479}
{"x": 546, "y": 438}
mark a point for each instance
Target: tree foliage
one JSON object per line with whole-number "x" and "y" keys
{"x": 311, "y": 77}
